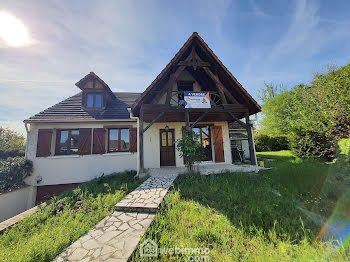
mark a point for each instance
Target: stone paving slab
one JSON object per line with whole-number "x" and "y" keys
{"x": 205, "y": 169}
{"x": 113, "y": 239}
{"x": 148, "y": 196}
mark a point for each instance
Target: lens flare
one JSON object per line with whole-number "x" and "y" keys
{"x": 12, "y": 31}
{"x": 337, "y": 228}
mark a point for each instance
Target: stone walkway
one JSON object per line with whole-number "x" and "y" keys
{"x": 116, "y": 237}
{"x": 148, "y": 196}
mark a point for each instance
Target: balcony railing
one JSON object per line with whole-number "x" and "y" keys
{"x": 177, "y": 97}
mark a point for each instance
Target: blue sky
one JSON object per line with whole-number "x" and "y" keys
{"x": 127, "y": 43}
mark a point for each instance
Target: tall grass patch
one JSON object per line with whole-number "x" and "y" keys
{"x": 44, "y": 235}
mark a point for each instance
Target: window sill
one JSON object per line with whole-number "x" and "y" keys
{"x": 64, "y": 156}
{"x": 118, "y": 154}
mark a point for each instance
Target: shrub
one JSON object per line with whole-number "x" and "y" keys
{"x": 190, "y": 149}
{"x": 11, "y": 143}
{"x": 13, "y": 171}
{"x": 309, "y": 145}
{"x": 269, "y": 143}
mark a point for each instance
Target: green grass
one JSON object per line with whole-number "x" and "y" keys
{"x": 244, "y": 217}
{"x": 44, "y": 235}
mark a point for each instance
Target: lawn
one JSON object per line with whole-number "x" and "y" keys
{"x": 44, "y": 235}
{"x": 273, "y": 216}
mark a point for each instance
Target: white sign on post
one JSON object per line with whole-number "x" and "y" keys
{"x": 197, "y": 100}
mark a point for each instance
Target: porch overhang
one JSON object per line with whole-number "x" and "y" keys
{"x": 177, "y": 113}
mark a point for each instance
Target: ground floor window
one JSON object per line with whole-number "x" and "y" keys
{"x": 205, "y": 141}
{"x": 67, "y": 142}
{"x": 118, "y": 139}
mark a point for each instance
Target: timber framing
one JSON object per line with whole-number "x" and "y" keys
{"x": 161, "y": 103}
{"x": 196, "y": 54}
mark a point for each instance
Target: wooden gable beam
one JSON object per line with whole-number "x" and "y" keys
{"x": 153, "y": 121}
{"x": 169, "y": 84}
{"x": 238, "y": 120}
{"x": 218, "y": 83}
{"x": 199, "y": 119}
{"x": 194, "y": 60}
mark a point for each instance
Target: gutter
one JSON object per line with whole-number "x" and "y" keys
{"x": 27, "y": 130}
{"x": 78, "y": 121}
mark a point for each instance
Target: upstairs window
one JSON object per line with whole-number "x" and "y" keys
{"x": 94, "y": 100}
{"x": 184, "y": 86}
{"x": 67, "y": 142}
{"x": 118, "y": 140}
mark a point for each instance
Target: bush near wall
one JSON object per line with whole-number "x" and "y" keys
{"x": 270, "y": 143}
{"x": 13, "y": 171}
{"x": 11, "y": 143}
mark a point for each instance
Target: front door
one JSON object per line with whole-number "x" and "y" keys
{"x": 167, "y": 147}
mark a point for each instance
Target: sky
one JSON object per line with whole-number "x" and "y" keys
{"x": 127, "y": 44}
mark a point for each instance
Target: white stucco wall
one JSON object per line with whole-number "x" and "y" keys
{"x": 73, "y": 168}
{"x": 17, "y": 201}
{"x": 152, "y": 147}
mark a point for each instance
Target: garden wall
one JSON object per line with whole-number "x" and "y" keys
{"x": 15, "y": 202}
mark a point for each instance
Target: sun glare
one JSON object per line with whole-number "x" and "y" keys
{"x": 12, "y": 31}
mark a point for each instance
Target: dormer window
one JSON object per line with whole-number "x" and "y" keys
{"x": 94, "y": 100}
{"x": 96, "y": 93}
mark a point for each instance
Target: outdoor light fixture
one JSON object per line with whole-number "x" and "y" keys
{"x": 166, "y": 128}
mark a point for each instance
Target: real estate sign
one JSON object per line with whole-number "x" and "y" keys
{"x": 197, "y": 100}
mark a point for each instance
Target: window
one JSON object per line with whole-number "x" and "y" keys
{"x": 67, "y": 142}
{"x": 118, "y": 139}
{"x": 205, "y": 141}
{"x": 184, "y": 86}
{"x": 94, "y": 100}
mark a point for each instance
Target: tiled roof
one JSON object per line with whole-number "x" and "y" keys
{"x": 71, "y": 109}
{"x": 234, "y": 125}
{"x": 238, "y": 136}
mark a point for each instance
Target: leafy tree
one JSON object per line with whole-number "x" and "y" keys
{"x": 190, "y": 149}
{"x": 11, "y": 143}
{"x": 13, "y": 171}
{"x": 314, "y": 117}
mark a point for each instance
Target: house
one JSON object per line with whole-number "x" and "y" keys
{"x": 98, "y": 131}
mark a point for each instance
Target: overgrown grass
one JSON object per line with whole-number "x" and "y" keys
{"x": 42, "y": 236}
{"x": 244, "y": 217}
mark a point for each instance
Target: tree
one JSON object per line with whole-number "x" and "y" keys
{"x": 190, "y": 149}
{"x": 11, "y": 143}
{"x": 314, "y": 117}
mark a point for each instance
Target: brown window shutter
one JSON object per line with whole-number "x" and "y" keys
{"x": 218, "y": 144}
{"x": 44, "y": 143}
{"x": 84, "y": 141}
{"x": 133, "y": 139}
{"x": 99, "y": 143}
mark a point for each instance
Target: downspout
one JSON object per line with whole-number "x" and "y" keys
{"x": 138, "y": 150}
{"x": 27, "y": 130}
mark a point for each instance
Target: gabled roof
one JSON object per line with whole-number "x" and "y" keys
{"x": 253, "y": 105}
{"x": 235, "y": 125}
{"x": 70, "y": 110}
{"x": 238, "y": 136}
{"x": 92, "y": 76}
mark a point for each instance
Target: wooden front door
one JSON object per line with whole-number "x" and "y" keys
{"x": 167, "y": 147}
